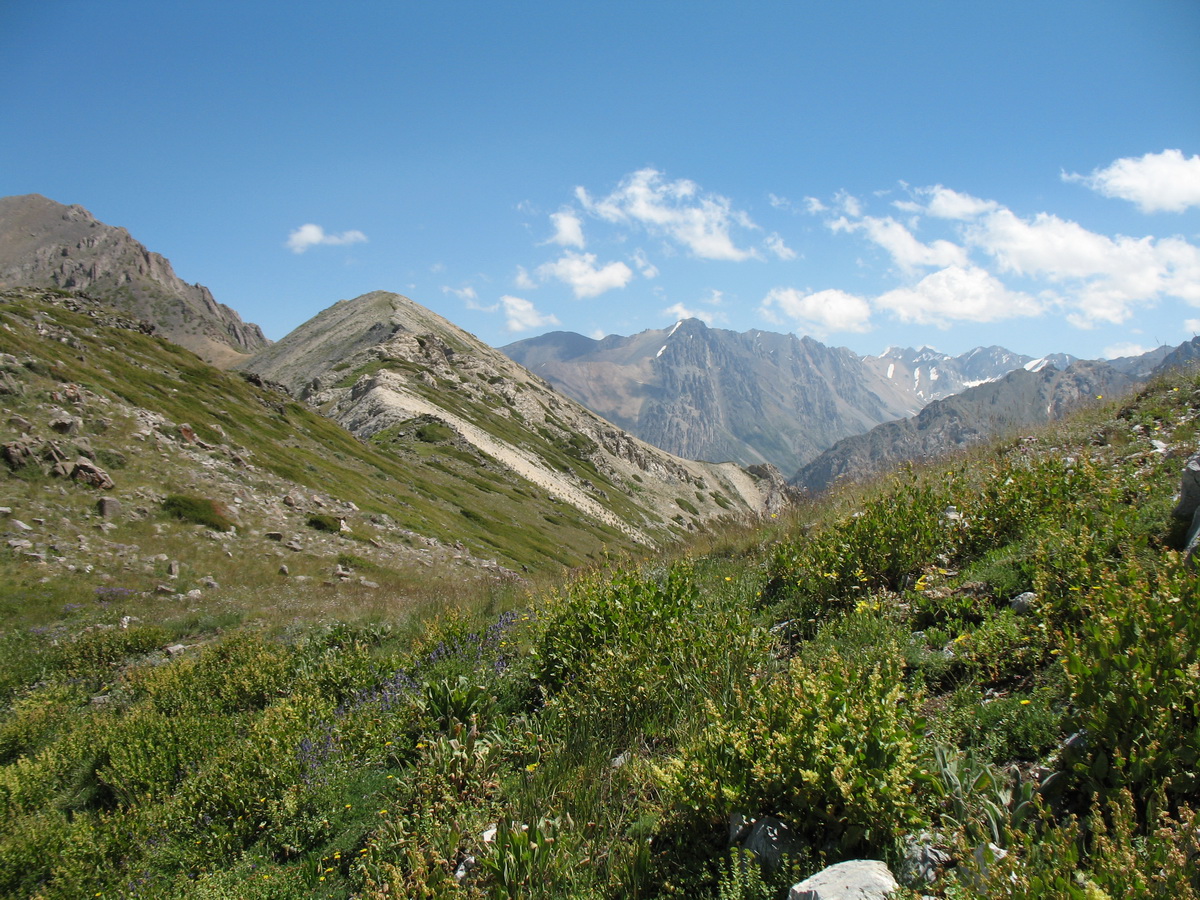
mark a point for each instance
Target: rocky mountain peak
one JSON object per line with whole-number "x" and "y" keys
{"x": 51, "y": 245}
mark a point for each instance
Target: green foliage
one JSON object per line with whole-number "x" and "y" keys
{"x": 198, "y": 510}
{"x": 325, "y": 522}
{"x": 832, "y": 747}
{"x": 1132, "y": 669}
{"x": 434, "y": 433}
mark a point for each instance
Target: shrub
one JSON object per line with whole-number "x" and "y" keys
{"x": 323, "y": 522}
{"x": 830, "y": 747}
{"x": 198, "y": 510}
{"x": 434, "y": 433}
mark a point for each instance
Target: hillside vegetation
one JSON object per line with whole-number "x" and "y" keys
{"x": 987, "y": 670}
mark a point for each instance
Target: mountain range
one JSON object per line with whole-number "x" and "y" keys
{"x": 710, "y": 393}
{"x": 645, "y": 436}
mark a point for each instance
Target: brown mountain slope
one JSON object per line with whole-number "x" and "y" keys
{"x": 47, "y": 244}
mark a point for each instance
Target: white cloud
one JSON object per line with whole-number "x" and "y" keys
{"x": 775, "y": 244}
{"x": 820, "y": 313}
{"x": 645, "y": 268}
{"x": 1156, "y": 182}
{"x": 957, "y": 294}
{"x": 676, "y": 210}
{"x": 944, "y": 203}
{"x": 521, "y": 315}
{"x": 1191, "y": 327}
{"x": 464, "y": 293}
{"x": 522, "y": 279}
{"x": 813, "y": 205}
{"x": 678, "y": 312}
{"x": 1106, "y": 277}
{"x": 904, "y": 248}
{"x": 568, "y": 229}
{"x": 1127, "y": 348}
{"x": 579, "y": 270}
{"x": 310, "y": 235}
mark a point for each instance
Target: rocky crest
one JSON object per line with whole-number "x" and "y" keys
{"x": 46, "y": 244}
{"x": 381, "y": 361}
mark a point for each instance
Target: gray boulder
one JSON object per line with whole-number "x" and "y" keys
{"x": 855, "y": 879}
{"x": 1188, "y": 507}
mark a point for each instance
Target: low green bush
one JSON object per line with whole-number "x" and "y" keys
{"x": 198, "y": 510}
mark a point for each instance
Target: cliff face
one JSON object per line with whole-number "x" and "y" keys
{"x": 707, "y": 393}
{"x": 46, "y": 244}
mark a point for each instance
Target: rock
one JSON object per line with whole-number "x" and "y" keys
{"x": 1188, "y": 507}
{"x": 176, "y": 649}
{"x": 209, "y": 582}
{"x": 21, "y": 526}
{"x": 187, "y": 433}
{"x": 1023, "y": 603}
{"x": 855, "y": 879}
{"x": 923, "y": 861}
{"x": 274, "y": 535}
{"x": 173, "y": 569}
{"x": 20, "y": 423}
{"x": 464, "y": 869}
{"x": 770, "y": 840}
{"x": 108, "y": 507}
{"x": 283, "y": 570}
{"x": 66, "y": 424}
{"x": 89, "y": 473}
{"x": 291, "y": 501}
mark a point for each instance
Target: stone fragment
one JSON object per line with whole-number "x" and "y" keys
{"x": 64, "y": 423}
{"x": 274, "y": 535}
{"x": 108, "y": 507}
{"x": 855, "y": 879}
{"x": 89, "y": 473}
{"x": 187, "y": 433}
{"x": 21, "y": 526}
{"x": 283, "y": 570}
{"x": 1023, "y": 603}
{"x": 176, "y": 649}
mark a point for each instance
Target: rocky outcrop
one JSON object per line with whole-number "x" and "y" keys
{"x": 46, "y": 244}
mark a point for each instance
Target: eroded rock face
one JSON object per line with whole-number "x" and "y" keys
{"x": 46, "y": 244}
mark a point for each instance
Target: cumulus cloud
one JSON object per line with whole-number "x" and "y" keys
{"x": 678, "y": 312}
{"x": 1106, "y": 277}
{"x": 1127, "y": 348}
{"x": 944, "y": 203}
{"x": 585, "y": 278}
{"x": 1156, "y": 182}
{"x": 899, "y": 242}
{"x": 521, "y": 315}
{"x": 775, "y": 244}
{"x": 310, "y": 235}
{"x": 645, "y": 268}
{"x": 568, "y": 229}
{"x": 676, "y": 210}
{"x": 957, "y": 294}
{"x": 464, "y": 293}
{"x": 522, "y": 279}
{"x": 820, "y": 313}
{"x": 1191, "y": 327}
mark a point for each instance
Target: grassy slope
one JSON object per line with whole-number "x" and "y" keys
{"x": 855, "y": 671}
{"x": 439, "y": 491}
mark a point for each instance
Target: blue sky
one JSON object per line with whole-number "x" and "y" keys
{"x": 951, "y": 174}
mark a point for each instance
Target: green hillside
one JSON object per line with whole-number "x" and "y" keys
{"x": 856, "y": 670}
